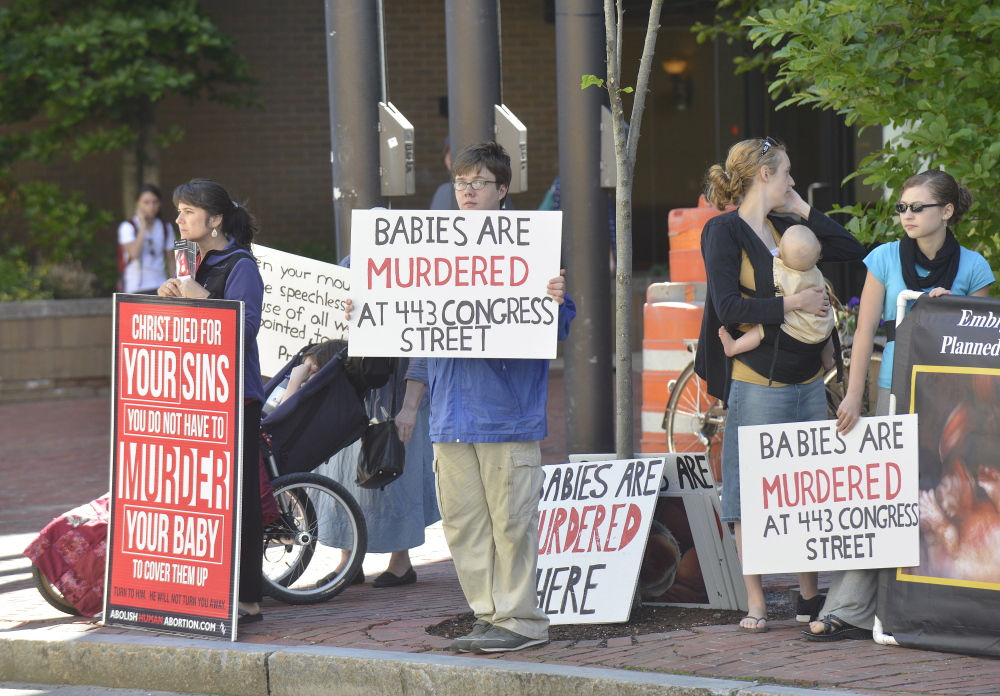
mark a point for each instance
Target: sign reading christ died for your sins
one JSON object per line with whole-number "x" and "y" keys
{"x": 468, "y": 284}
{"x": 175, "y": 484}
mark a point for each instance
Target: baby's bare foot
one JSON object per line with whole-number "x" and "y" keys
{"x": 728, "y": 344}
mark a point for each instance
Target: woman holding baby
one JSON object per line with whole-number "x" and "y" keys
{"x": 779, "y": 380}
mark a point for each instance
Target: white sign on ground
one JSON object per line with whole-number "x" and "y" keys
{"x": 593, "y": 522}
{"x": 468, "y": 284}
{"x": 813, "y": 499}
{"x": 304, "y": 302}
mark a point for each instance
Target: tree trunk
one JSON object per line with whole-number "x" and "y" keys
{"x": 141, "y": 157}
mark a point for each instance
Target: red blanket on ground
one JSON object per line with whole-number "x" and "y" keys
{"x": 71, "y": 551}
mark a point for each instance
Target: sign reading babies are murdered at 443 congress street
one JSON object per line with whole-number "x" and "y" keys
{"x": 813, "y": 499}
{"x": 304, "y": 303}
{"x": 468, "y": 284}
{"x": 593, "y": 521}
{"x": 175, "y": 484}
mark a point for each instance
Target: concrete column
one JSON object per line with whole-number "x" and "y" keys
{"x": 355, "y": 75}
{"x": 474, "y": 82}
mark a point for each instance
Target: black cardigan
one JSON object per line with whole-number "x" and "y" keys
{"x": 722, "y": 243}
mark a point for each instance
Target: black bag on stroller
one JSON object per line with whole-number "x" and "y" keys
{"x": 324, "y": 416}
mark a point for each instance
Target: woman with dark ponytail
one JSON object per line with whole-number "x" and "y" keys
{"x": 224, "y": 230}
{"x": 928, "y": 259}
{"x": 780, "y": 381}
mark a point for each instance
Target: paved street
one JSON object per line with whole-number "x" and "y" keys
{"x": 54, "y": 456}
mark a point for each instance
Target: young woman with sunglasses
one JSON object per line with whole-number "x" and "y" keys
{"x": 929, "y": 259}
{"x": 780, "y": 381}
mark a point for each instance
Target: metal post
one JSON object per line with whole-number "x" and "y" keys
{"x": 580, "y": 50}
{"x": 474, "y": 82}
{"x": 355, "y": 75}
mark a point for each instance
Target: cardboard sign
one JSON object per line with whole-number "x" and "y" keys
{"x": 304, "y": 303}
{"x": 813, "y": 499}
{"x": 469, "y": 284}
{"x": 690, "y": 558}
{"x": 593, "y": 522}
{"x": 175, "y": 462}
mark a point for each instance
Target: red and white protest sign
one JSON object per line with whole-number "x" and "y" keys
{"x": 175, "y": 463}
{"x": 813, "y": 499}
{"x": 593, "y": 521}
{"x": 468, "y": 284}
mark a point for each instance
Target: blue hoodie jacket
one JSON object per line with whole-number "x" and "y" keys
{"x": 490, "y": 399}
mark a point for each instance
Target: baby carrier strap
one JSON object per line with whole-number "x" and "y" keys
{"x": 213, "y": 276}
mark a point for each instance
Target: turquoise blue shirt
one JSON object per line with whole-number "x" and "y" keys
{"x": 973, "y": 274}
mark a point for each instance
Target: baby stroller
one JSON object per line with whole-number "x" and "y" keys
{"x": 316, "y": 518}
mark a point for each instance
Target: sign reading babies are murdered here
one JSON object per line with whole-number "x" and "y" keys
{"x": 175, "y": 463}
{"x": 593, "y": 521}
{"x": 813, "y": 499}
{"x": 466, "y": 284}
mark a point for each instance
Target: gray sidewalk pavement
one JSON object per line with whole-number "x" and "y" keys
{"x": 54, "y": 456}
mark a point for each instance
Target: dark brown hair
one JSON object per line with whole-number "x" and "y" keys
{"x": 490, "y": 155}
{"x": 945, "y": 189}
{"x": 237, "y": 222}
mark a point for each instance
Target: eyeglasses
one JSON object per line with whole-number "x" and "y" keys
{"x": 768, "y": 143}
{"x": 916, "y": 207}
{"x": 477, "y": 185}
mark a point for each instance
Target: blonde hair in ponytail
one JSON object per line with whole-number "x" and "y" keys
{"x": 727, "y": 185}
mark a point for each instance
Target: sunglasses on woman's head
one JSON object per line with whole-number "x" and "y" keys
{"x": 767, "y": 146}
{"x": 915, "y": 207}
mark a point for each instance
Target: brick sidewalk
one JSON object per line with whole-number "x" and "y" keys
{"x": 55, "y": 455}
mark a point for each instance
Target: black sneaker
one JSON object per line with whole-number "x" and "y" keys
{"x": 464, "y": 644}
{"x": 501, "y": 640}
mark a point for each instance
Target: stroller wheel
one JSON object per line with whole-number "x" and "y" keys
{"x": 51, "y": 594}
{"x": 319, "y": 521}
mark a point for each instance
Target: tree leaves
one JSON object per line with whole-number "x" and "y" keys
{"x": 930, "y": 65}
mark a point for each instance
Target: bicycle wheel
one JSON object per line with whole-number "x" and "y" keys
{"x": 52, "y": 595}
{"x": 835, "y": 391}
{"x": 302, "y": 548}
{"x": 695, "y": 421}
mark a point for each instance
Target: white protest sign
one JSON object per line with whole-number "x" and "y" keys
{"x": 468, "y": 284}
{"x": 593, "y": 522}
{"x": 304, "y": 303}
{"x": 690, "y": 557}
{"x": 813, "y": 499}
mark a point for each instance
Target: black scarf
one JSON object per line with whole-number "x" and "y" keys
{"x": 943, "y": 267}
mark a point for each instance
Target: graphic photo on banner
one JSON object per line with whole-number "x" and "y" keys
{"x": 813, "y": 499}
{"x": 594, "y": 519}
{"x": 468, "y": 284}
{"x": 175, "y": 462}
{"x": 304, "y": 302}
{"x": 960, "y": 505}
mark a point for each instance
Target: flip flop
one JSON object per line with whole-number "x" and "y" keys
{"x": 755, "y": 629}
{"x": 836, "y": 629}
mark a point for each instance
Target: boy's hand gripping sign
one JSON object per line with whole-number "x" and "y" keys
{"x": 813, "y": 499}
{"x": 468, "y": 284}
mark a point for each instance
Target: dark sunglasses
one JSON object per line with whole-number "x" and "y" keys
{"x": 767, "y": 146}
{"x": 916, "y": 207}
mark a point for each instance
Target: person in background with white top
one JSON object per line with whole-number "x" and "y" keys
{"x": 148, "y": 243}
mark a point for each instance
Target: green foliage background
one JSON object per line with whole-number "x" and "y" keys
{"x": 929, "y": 67}
{"x": 74, "y": 75}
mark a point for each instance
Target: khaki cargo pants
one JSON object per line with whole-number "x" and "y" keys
{"x": 488, "y": 496}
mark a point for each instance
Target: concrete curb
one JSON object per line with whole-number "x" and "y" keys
{"x": 235, "y": 669}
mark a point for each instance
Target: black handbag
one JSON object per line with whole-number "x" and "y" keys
{"x": 383, "y": 454}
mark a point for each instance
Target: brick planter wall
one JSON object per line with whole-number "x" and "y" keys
{"x": 55, "y": 349}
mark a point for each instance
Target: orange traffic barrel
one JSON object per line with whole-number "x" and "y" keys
{"x": 684, "y": 232}
{"x": 671, "y": 317}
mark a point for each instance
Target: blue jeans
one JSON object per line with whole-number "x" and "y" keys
{"x": 755, "y": 404}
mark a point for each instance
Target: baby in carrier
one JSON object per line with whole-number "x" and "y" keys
{"x": 794, "y": 270}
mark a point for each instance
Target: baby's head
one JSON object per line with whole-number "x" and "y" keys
{"x": 799, "y": 249}
{"x": 321, "y": 353}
